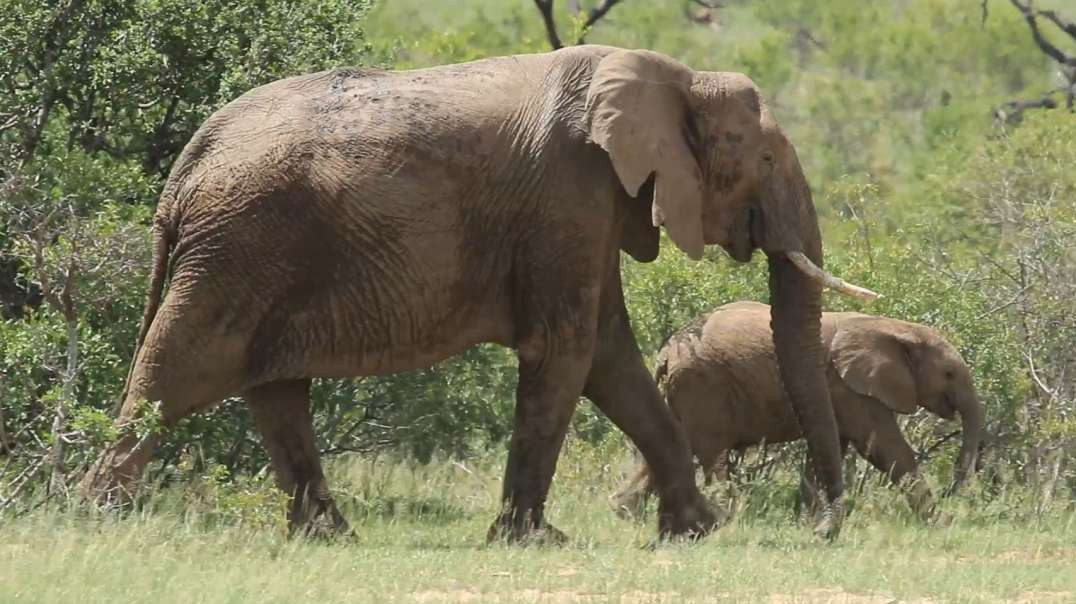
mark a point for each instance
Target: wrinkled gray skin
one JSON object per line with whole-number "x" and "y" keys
{"x": 721, "y": 381}
{"x": 360, "y": 222}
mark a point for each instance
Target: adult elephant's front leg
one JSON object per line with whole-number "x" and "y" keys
{"x": 553, "y": 363}
{"x": 621, "y": 386}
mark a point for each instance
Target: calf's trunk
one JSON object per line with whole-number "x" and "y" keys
{"x": 971, "y": 422}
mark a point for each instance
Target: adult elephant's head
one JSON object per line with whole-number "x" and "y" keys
{"x": 905, "y": 366}
{"x": 722, "y": 172}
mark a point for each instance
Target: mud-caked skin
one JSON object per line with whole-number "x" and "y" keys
{"x": 360, "y": 222}
{"x": 720, "y": 378}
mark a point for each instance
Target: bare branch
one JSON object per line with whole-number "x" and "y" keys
{"x": 1043, "y": 43}
{"x": 41, "y": 270}
{"x": 1051, "y": 392}
{"x": 1012, "y": 112}
{"x": 1017, "y": 298}
{"x": 926, "y": 453}
{"x": 595, "y": 14}
{"x": 546, "y": 8}
{"x": 1069, "y": 27}
{"x": 10, "y": 122}
{"x": 21, "y": 482}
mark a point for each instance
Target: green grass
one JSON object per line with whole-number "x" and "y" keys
{"x": 420, "y": 537}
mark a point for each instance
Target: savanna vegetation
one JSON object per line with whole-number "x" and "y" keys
{"x": 940, "y": 140}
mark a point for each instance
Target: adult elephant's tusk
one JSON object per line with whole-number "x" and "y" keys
{"x": 837, "y": 284}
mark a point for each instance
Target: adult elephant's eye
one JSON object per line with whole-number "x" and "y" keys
{"x": 949, "y": 374}
{"x": 767, "y": 156}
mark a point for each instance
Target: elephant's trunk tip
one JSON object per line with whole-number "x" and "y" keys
{"x": 825, "y": 279}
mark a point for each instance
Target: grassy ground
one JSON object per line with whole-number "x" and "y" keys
{"x": 420, "y": 537}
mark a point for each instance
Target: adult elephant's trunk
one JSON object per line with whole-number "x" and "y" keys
{"x": 795, "y": 301}
{"x": 787, "y": 229}
{"x": 971, "y": 422}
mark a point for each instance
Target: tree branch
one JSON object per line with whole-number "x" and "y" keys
{"x": 10, "y": 121}
{"x": 161, "y": 143}
{"x": 1051, "y": 392}
{"x": 1012, "y": 112}
{"x": 1043, "y": 43}
{"x": 1069, "y": 27}
{"x": 595, "y": 14}
{"x": 546, "y": 8}
{"x": 21, "y": 482}
{"x": 67, "y": 293}
{"x": 926, "y": 453}
{"x": 41, "y": 270}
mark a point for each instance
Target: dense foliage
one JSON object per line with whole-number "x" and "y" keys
{"x": 965, "y": 222}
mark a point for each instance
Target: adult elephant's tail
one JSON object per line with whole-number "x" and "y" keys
{"x": 163, "y": 241}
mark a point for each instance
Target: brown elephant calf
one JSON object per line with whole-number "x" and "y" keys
{"x": 721, "y": 380}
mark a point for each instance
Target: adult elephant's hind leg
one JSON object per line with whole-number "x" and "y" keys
{"x": 114, "y": 476}
{"x": 282, "y": 416}
{"x": 553, "y": 362}
{"x": 621, "y": 386}
{"x": 153, "y": 405}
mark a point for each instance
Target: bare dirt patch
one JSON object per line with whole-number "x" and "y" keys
{"x": 810, "y": 596}
{"x": 1045, "y": 596}
{"x": 550, "y": 597}
{"x": 839, "y": 596}
{"x": 1035, "y": 555}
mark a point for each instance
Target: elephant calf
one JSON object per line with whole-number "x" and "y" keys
{"x": 721, "y": 380}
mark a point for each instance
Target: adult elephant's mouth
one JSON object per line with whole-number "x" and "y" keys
{"x": 745, "y": 236}
{"x": 748, "y": 234}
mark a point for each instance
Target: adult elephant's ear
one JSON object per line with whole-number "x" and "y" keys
{"x": 637, "y": 107}
{"x": 875, "y": 361}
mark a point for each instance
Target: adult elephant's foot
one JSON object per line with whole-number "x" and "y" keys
{"x": 506, "y": 530}
{"x": 692, "y": 519}
{"x": 941, "y": 519}
{"x": 920, "y": 497}
{"x": 830, "y": 520}
{"x": 318, "y": 518}
{"x": 325, "y": 529}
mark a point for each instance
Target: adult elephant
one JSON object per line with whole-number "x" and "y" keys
{"x": 721, "y": 381}
{"x": 361, "y": 222}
